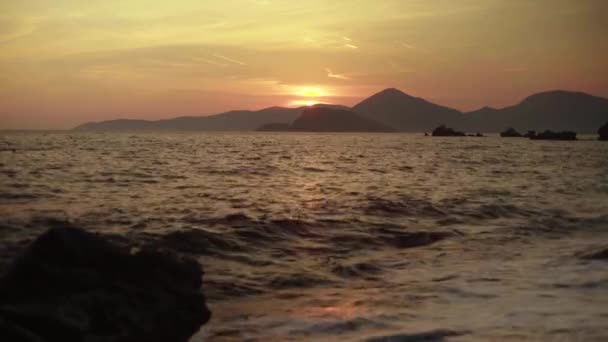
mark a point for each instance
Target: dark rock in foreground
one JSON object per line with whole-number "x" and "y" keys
{"x": 550, "y": 135}
{"x": 443, "y": 131}
{"x": 510, "y": 133}
{"x": 600, "y": 254}
{"x": 71, "y": 285}
{"x": 603, "y": 132}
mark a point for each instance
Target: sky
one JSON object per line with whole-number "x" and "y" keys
{"x": 65, "y": 62}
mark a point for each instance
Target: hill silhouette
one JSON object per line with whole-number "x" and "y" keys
{"x": 238, "y": 120}
{"x": 395, "y": 110}
{"x": 318, "y": 119}
{"x": 406, "y": 113}
{"x": 554, "y": 110}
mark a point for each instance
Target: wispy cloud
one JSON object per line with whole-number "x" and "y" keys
{"x": 228, "y": 59}
{"x": 515, "y": 69}
{"x": 351, "y": 46}
{"x": 338, "y": 76}
{"x": 209, "y": 61}
{"x": 414, "y": 47}
{"x": 408, "y": 46}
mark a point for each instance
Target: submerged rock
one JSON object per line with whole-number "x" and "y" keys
{"x": 443, "y": 131}
{"x": 510, "y": 133}
{"x": 72, "y": 285}
{"x": 550, "y": 135}
{"x": 599, "y": 254}
{"x": 603, "y": 132}
{"x": 434, "y": 335}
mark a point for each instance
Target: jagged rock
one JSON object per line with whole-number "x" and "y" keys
{"x": 599, "y": 254}
{"x": 603, "y": 132}
{"x": 72, "y": 285}
{"x": 530, "y": 134}
{"x": 510, "y": 133}
{"x": 443, "y": 131}
{"x": 550, "y": 135}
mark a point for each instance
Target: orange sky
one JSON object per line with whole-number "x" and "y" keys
{"x": 64, "y": 62}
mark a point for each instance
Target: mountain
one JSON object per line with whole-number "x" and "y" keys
{"x": 274, "y": 127}
{"x": 241, "y": 120}
{"x": 406, "y": 113}
{"x": 318, "y": 119}
{"x": 553, "y": 110}
{"x": 236, "y": 120}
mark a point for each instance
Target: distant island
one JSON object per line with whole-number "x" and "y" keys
{"x": 546, "y": 135}
{"x": 320, "y": 119}
{"x": 391, "y": 110}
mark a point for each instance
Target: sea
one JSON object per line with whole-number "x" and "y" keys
{"x": 340, "y": 237}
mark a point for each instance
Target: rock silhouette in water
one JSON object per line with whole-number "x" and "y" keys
{"x": 603, "y": 132}
{"x": 443, "y": 131}
{"x": 550, "y": 135}
{"x": 530, "y": 134}
{"x": 510, "y": 133}
{"x": 71, "y": 285}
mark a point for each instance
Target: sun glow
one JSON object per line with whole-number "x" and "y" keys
{"x": 303, "y": 102}
{"x": 309, "y": 95}
{"x": 311, "y": 91}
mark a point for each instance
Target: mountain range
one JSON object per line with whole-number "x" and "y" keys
{"x": 324, "y": 119}
{"x": 392, "y": 110}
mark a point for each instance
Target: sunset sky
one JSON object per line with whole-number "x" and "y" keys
{"x": 64, "y": 62}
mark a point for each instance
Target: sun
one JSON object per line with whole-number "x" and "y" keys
{"x": 309, "y": 95}
{"x": 310, "y": 91}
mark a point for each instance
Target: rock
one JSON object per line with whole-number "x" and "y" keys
{"x": 443, "y": 131}
{"x": 72, "y": 285}
{"x": 550, "y": 135}
{"x": 530, "y": 134}
{"x": 603, "y": 132}
{"x": 599, "y": 254}
{"x": 510, "y": 133}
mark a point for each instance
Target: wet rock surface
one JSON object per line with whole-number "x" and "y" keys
{"x": 72, "y": 285}
{"x": 598, "y": 254}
